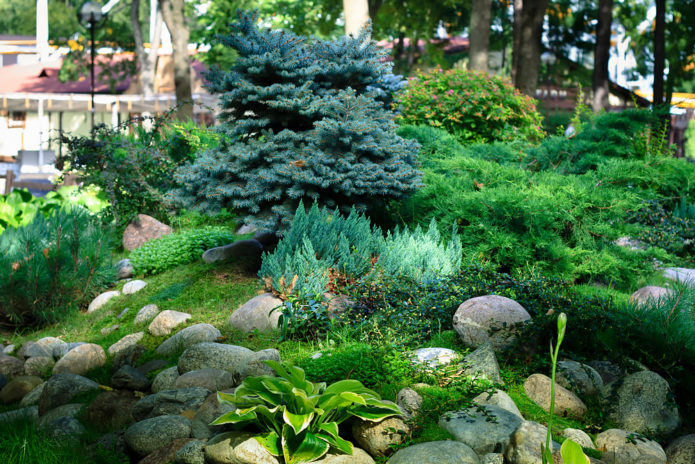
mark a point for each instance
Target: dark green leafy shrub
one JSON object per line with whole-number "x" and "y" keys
{"x": 177, "y": 248}
{"x": 359, "y": 361}
{"x": 134, "y": 166}
{"x": 299, "y": 122}
{"x": 323, "y": 249}
{"x": 52, "y": 266}
{"x": 19, "y": 206}
{"x": 303, "y": 320}
{"x": 475, "y": 107}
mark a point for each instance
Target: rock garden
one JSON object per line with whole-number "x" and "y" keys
{"x": 327, "y": 280}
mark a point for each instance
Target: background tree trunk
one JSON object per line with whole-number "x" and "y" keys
{"x": 602, "y": 54}
{"x": 529, "y": 55}
{"x": 479, "y": 34}
{"x": 173, "y": 14}
{"x": 147, "y": 62}
{"x": 516, "y": 36}
{"x": 659, "y": 52}
{"x": 356, "y": 14}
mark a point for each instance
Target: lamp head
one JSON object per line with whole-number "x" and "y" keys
{"x": 90, "y": 13}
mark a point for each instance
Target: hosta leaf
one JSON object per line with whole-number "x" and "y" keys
{"x": 330, "y": 428}
{"x": 338, "y": 443}
{"x": 305, "y": 447}
{"x": 572, "y": 453}
{"x": 271, "y": 442}
{"x": 225, "y": 398}
{"x": 353, "y": 398}
{"x": 299, "y": 422}
{"x": 371, "y": 414}
{"x": 235, "y": 417}
{"x": 354, "y": 386}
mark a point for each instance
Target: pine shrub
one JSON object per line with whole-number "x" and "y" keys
{"x": 300, "y": 122}
{"x": 473, "y": 106}
{"x": 322, "y": 250}
{"x": 51, "y": 266}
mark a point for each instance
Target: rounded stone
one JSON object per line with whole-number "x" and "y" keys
{"x": 436, "y": 452}
{"x": 130, "y": 378}
{"x": 149, "y": 435}
{"x": 650, "y": 293}
{"x": 81, "y": 359}
{"x": 43, "y": 347}
{"x": 230, "y": 358}
{"x": 537, "y": 387}
{"x": 32, "y": 398}
{"x": 409, "y": 401}
{"x": 146, "y": 314}
{"x": 39, "y": 366}
{"x": 18, "y": 388}
{"x": 125, "y": 343}
{"x": 485, "y": 429}
{"x": 681, "y": 450}
{"x": 10, "y": 366}
{"x": 500, "y": 399}
{"x": 143, "y": 229}
{"x": 380, "y": 438}
{"x": 111, "y": 410}
{"x": 166, "y": 321}
{"x": 191, "y": 453}
{"x": 101, "y": 300}
{"x": 133, "y": 286}
{"x": 256, "y": 314}
{"x": 62, "y": 388}
{"x": 579, "y": 437}
{"x": 184, "y": 401}
{"x": 489, "y": 318}
{"x": 526, "y": 442}
{"x": 642, "y": 403}
{"x": 579, "y": 378}
{"x": 622, "y": 447}
{"x": 165, "y": 380}
{"x": 189, "y": 336}
{"x": 435, "y": 357}
{"x": 211, "y": 379}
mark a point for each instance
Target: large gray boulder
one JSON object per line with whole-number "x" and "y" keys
{"x": 230, "y": 358}
{"x": 10, "y": 366}
{"x": 146, "y": 314}
{"x": 489, "y": 318}
{"x": 143, "y": 229}
{"x": 43, "y": 347}
{"x": 526, "y": 443}
{"x": 81, "y": 359}
{"x": 210, "y": 410}
{"x": 191, "y": 453}
{"x": 537, "y": 388}
{"x": 642, "y": 403}
{"x": 256, "y": 365}
{"x": 40, "y": 366}
{"x": 62, "y": 388}
{"x": 622, "y": 447}
{"x": 579, "y": 378}
{"x": 256, "y": 314}
{"x": 436, "y": 452}
{"x": 129, "y": 378}
{"x": 111, "y": 410}
{"x": 18, "y": 388}
{"x": 125, "y": 343}
{"x": 482, "y": 364}
{"x": 66, "y": 410}
{"x": 32, "y": 398}
{"x": 169, "y": 402}
{"x": 149, "y": 435}
{"x": 189, "y": 336}
{"x": 681, "y": 450}
{"x": 485, "y": 429}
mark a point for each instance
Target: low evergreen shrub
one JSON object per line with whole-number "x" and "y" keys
{"x": 178, "y": 248}
{"x": 52, "y": 266}
{"x": 665, "y": 229}
{"x": 300, "y": 121}
{"x": 322, "y": 250}
{"x": 473, "y": 106}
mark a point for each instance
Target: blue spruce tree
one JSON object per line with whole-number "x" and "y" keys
{"x": 300, "y": 122}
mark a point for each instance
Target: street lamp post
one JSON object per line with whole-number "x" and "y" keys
{"x": 90, "y": 14}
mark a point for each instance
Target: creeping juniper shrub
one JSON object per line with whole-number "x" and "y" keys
{"x": 664, "y": 229}
{"x": 299, "y": 122}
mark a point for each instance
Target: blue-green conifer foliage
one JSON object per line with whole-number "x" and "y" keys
{"x": 300, "y": 122}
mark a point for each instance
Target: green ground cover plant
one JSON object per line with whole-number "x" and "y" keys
{"x": 299, "y": 122}
{"x": 473, "y": 106}
{"x": 52, "y": 266}
{"x": 175, "y": 249}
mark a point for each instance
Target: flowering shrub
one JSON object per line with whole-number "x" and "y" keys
{"x": 476, "y": 107}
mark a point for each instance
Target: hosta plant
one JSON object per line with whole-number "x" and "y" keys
{"x": 299, "y": 419}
